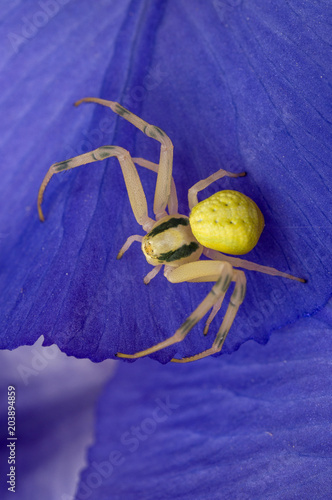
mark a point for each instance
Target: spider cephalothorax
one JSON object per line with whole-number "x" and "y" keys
{"x": 171, "y": 242}
{"x": 228, "y": 222}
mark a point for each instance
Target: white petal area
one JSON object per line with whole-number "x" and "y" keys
{"x": 55, "y": 416}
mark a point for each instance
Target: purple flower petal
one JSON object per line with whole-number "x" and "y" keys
{"x": 55, "y": 398}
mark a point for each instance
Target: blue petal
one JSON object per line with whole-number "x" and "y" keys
{"x": 243, "y": 87}
{"x": 252, "y": 425}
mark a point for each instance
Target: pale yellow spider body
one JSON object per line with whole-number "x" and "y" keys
{"x": 228, "y": 222}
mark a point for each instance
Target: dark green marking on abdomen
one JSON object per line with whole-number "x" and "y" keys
{"x": 173, "y": 222}
{"x": 179, "y": 253}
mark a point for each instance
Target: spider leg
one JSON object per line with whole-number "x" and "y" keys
{"x": 128, "y": 243}
{"x": 204, "y": 183}
{"x": 246, "y": 264}
{"x": 163, "y": 186}
{"x": 172, "y": 208}
{"x": 152, "y": 274}
{"x": 220, "y": 272}
{"x": 173, "y": 199}
{"x": 214, "y": 311}
{"x": 232, "y": 309}
{"x": 133, "y": 183}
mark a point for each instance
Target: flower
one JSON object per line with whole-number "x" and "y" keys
{"x": 235, "y": 85}
{"x": 228, "y": 87}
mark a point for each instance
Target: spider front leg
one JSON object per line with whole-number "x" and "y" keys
{"x": 164, "y": 178}
{"x": 133, "y": 183}
{"x": 220, "y": 272}
{"x": 173, "y": 199}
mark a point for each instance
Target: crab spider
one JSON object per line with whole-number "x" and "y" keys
{"x": 228, "y": 221}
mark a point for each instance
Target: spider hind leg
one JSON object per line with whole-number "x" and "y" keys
{"x": 223, "y": 274}
{"x": 232, "y": 309}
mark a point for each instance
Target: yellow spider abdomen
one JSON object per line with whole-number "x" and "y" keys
{"x": 228, "y": 221}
